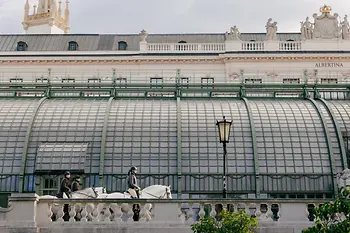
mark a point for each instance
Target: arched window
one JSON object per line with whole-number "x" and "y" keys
{"x": 290, "y": 40}
{"x": 182, "y": 42}
{"x": 122, "y": 45}
{"x": 22, "y": 46}
{"x": 72, "y": 46}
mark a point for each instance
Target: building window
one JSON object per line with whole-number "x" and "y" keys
{"x": 329, "y": 80}
{"x": 120, "y": 81}
{"x": 22, "y": 46}
{"x": 72, "y": 46}
{"x": 122, "y": 45}
{"x": 68, "y": 80}
{"x": 291, "y": 80}
{"x": 184, "y": 82}
{"x": 41, "y": 80}
{"x": 16, "y": 80}
{"x": 207, "y": 82}
{"x": 253, "y": 80}
{"x": 182, "y": 42}
{"x": 156, "y": 82}
{"x": 94, "y": 80}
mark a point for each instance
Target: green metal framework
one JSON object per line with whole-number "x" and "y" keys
{"x": 179, "y": 148}
{"x": 172, "y": 90}
{"x": 338, "y": 132}
{"x": 255, "y": 148}
{"x": 103, "y": 140}
{"x": 26, "y": 143}
{"x": 329, "y": 143}
{"x": 179, "y": 92}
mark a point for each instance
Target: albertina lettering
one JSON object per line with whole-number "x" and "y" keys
{"x": 329, "y": 64}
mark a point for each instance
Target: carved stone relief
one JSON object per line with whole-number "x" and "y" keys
{"x": 326, "y": 26}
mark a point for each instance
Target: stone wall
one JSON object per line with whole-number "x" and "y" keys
{"x": 28, "y": 214}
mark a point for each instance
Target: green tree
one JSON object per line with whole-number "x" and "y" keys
{"x": 333, "y": 217}
{"x": 227, "y": 222}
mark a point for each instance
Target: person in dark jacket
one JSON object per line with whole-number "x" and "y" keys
{"x": 133, "y": 188}
{"x": 76, "y": 184}
{"x": 65, "y": 186}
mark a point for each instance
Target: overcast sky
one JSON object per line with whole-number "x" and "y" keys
{"x": 179, "y": 16}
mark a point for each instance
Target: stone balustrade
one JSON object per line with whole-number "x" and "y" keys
{"x": 27, "y": 212}
{"x": 232, "y": 46}
{"x": 185, "y": 47}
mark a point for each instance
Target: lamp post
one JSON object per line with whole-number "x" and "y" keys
{"x": 224, "y": 127}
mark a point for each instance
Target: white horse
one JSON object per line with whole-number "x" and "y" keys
{"x": 151, "y": 192}
{"x": 92, "y": 192}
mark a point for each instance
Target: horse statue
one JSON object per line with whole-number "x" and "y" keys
{"x": 150, "y": 192}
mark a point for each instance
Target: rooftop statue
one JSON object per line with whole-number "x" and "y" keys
{"x": 306, "y": 29}
{"x": 143, "y": 34}
{"x": 234, "y": 33}
{"x": 271, "y": 30}
{"x": 345, "y": 27}
{"x": 326, "y": 26}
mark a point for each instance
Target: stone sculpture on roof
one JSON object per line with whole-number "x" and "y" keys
{"x": 234, "y": 33}
{"x": 271, "y": 30}
{"x": 143, "y": 34}
{"x": 306, "y": 29}
{"x": 326, "y": 26}
{"x": 345, "y": 27}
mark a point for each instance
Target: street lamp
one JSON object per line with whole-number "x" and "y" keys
{"x": 224, "y": 127}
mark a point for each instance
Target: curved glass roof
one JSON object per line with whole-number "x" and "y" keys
{"x": 291, "y": 156}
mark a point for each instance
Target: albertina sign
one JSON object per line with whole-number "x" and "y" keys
{"x": 329, "y": 65}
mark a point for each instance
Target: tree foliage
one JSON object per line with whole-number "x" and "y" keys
{"x": 333, "y": 217}
{"x": 227, "y": 222}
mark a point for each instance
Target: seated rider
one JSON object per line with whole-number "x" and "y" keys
{"x": 133, "y": 188}
{"x": 65, "y": 186}
{"x": 76, "y": 184}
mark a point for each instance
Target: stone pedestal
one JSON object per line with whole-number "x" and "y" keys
{"x": 143, "y": 46}
{"x": 233, "y": 45}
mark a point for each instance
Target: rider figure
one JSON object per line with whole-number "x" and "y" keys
{"x": 134, "y": 189}
{"x": 65, "y": 184}
{"x": 76, "y": 184}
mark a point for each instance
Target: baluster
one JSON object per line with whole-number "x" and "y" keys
{"x": 95, "y": 213}
{"x": 83, "y": 213}
{"x": 72, "y": 213}
{"x": 100, "y": 210}
{"x": 117, "y": 213}
{"x": 258, "y": 212}
{"x": 143, "y": 213}
{"x": 107, "y": 214}
{"x": 201, "y": 212}
{"x": 269, "y": 213}
{"x": 213, "y": 211}
{"x": 60, "y": 213}
{"x": 130, "y": 214}
{"x": 190, "y": 213}
{"x": 89, "y": 211}
{"x": 224, "y": 206}
{"x": 182, "y": 216}
{"x": 49, "y": 212}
